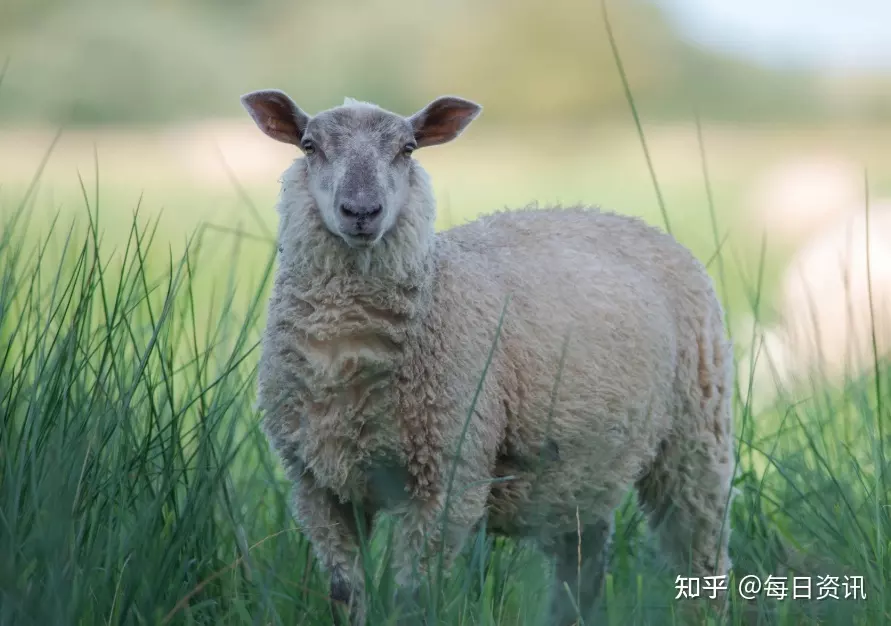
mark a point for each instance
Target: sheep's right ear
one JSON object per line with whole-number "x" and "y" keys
{"x": 276, "y": 115}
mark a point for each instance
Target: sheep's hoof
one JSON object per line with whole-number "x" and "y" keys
{"x": 343, "y": 601}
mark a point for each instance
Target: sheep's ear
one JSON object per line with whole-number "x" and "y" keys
{"x": 276, "y": 115}
{"x": 443, "y": 119}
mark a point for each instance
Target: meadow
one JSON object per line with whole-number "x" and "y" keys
{"x": 137, "y": 488}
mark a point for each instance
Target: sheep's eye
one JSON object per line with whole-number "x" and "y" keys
{"x": 308, "y": 147}
{"x": 408, "y": 149}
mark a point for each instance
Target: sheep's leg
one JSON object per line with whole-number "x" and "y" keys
{"x": 421, "y": 541}
{"x": 585, "y": 579}
{"x": 686, "y": 492}
{"x": 685, "y": 495}
{"x": 331, "y": 528}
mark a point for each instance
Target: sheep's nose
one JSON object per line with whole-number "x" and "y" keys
{"x": 360, "y": 211}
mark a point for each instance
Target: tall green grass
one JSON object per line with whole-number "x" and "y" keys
{"x": 136, "y": 487}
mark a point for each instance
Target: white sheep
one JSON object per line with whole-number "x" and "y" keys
{"x": 611, "y": 369}
{"x": 830, "y": 306}
{"x": 796, "y": 197}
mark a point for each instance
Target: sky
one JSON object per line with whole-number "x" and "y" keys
{"x": 832, "y": 34}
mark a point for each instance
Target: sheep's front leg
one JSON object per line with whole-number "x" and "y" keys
{"x": 435, "y": 527}
{"x": 331, "y": 528}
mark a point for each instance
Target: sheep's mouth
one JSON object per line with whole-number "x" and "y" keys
{"x": 360, "y": 240}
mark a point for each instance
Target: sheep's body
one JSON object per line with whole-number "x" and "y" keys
{"x": 370, "y": 368}
{"x": 610, "y": 369}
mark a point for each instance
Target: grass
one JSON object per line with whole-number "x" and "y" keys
{"x": 136, "y": 487}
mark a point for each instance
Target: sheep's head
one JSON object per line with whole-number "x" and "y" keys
{"x": 359, "y": 156}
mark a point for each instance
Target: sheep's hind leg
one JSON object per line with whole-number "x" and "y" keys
{"x": 585, "y": 579}
{"x": 685, "y": 496}
{"x": 686, "y": 493}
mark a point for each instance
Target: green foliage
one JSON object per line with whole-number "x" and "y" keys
{"x": 107, "y": 61}
{"x": 136, "y": 487}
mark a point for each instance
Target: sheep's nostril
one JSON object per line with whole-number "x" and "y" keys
{"x": 374, "y": 211}
{"x": 347, "y": 210}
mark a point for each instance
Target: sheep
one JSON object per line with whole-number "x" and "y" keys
{"x": 798, "y": 196}
{"x": 832, "y": 302}
{"x": 609, "y": 366}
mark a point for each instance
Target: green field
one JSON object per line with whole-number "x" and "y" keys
{"x": 137, "y": 488}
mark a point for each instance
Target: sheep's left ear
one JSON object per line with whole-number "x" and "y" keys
{"x": 442, "y": 120}
{"x": 276, "y": 115}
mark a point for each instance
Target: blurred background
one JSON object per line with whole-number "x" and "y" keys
{"x": 793, "y": 98}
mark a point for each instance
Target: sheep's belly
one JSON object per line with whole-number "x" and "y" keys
{"x": 557, "y": 506}
{"x": 583, "y": 486}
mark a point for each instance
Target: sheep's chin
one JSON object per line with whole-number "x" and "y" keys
{"x": 362, "y": 242}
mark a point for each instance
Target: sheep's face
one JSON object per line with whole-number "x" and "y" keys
{"x": 358, "y": 160}
{"x": 359, "y": 156}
